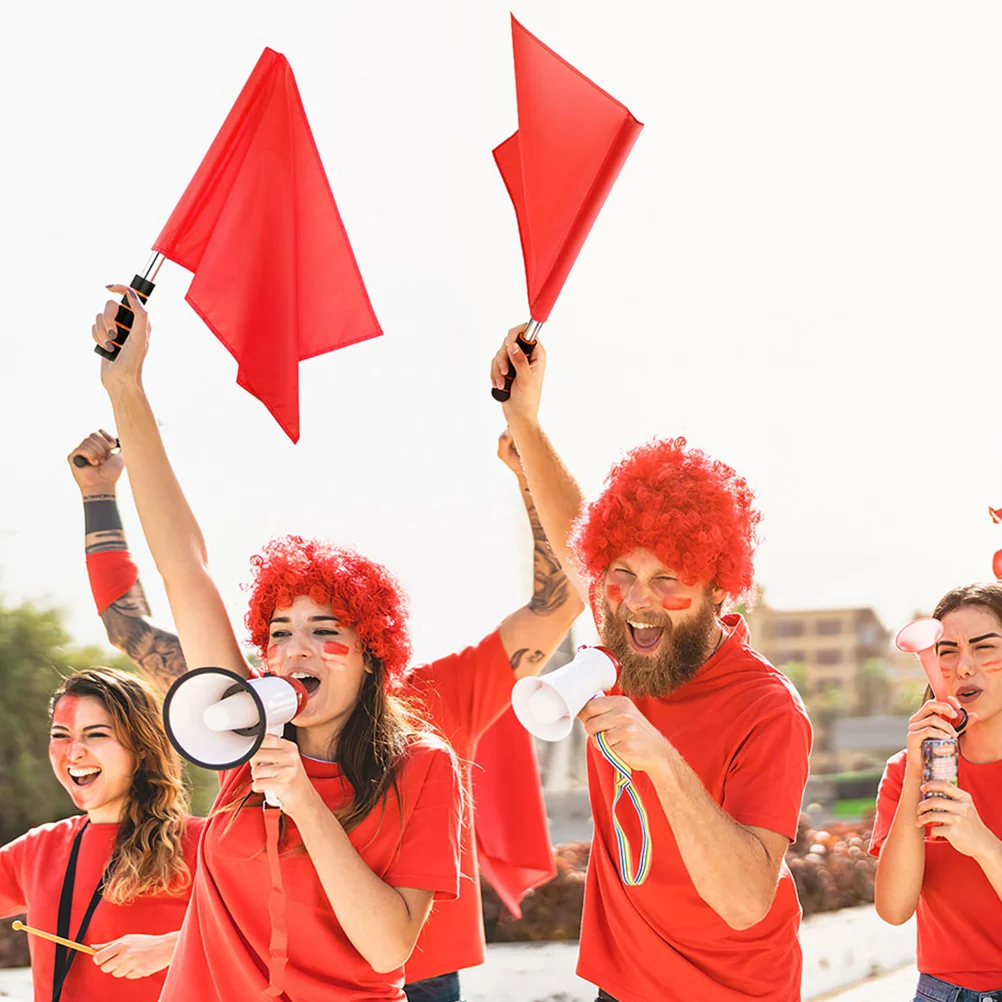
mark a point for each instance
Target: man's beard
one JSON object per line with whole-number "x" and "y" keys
{"x": 681, "y": 652}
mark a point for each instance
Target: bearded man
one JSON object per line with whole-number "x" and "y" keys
{"x": 716, "y": 738}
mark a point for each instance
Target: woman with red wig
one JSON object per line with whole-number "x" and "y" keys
{"x": 690, "y": 897}
{"x": 371, "y": 799}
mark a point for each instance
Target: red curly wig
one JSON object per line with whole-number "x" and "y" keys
{"x": 695, "y": 514}
{"x": 362, "y": 593}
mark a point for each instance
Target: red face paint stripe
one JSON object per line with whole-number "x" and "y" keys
{"x": 614, "y": 592}
{"x": 333, "y": 648}
{"x": 272, "y": 652}
{"x": 64, "y": 712}
{"x": 674, "y": 603}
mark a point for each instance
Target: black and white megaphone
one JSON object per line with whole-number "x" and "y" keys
{"x": 546, "y": 707}
{"x": 217, "y": 719}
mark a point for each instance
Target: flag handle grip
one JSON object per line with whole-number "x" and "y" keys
{"x": 123, "y": 319}
{"x": 81, "y": 461}
{"x": 527, "y": 342}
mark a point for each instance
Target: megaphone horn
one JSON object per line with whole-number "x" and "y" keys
{"x": 546, "y": 707}
{"x": 217, "y": 719}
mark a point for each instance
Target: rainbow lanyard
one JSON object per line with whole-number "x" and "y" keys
{"x": 625, "y": 784}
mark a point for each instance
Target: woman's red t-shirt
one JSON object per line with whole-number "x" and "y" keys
{"x": 959, "y": 915}
{"x": 224, "y": 947}
{"x": 32, "y": 869}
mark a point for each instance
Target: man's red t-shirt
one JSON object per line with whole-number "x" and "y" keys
{"x": 463, "y": 695}
{"x": 742, "y": 728}
{"x": 32, "y": 869}
{"x": 959, "y": 915}
{"x": 224, "y": 947}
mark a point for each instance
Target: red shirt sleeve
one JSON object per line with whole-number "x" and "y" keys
{"x": 12, "y": 893}
{"x": 766, "y": 779}
{"x": 888, "y": 795}
{"x": 429, "y": 845}
{"x": 465, "y": 693}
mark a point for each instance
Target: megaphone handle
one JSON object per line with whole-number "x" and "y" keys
{"x": 270, "y": 798}
{"x": 527, "y": 342}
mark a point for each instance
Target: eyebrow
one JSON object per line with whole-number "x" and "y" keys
{"x": 973, "y": 640}
{"x": 312, "y": 619}
{"x": 89, "y": 727}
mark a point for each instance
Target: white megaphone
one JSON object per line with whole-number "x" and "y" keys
{"x": 217, "y": 719}
{"x": 546, "y": 707}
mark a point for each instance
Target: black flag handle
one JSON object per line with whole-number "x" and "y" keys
{"x": 80, "y": 461}
{"x": 143, "y": 284}
{"x": 527, "y": 342}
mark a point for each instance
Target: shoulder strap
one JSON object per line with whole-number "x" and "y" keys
{"x": 64, "y": 955}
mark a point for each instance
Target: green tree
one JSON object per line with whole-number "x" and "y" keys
{"x": 796, "y": 672}
{"x": 874, "y": 687}
{"x": 824, "y": 708}
{"x": 34, "y": 654}
{"x": 909, "y": 698}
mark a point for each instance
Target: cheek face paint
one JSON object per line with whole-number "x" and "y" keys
{"x": 614, "y": 593}
{"x": 675, "y": 603}
{"x": 271, "y": 654}
{"x": 333, "y": 649}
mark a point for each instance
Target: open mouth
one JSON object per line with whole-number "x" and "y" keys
{"x": 84, "y": 776}
{"x": 643, "y": 636}
{"x": 310, "y": 682}
{"x": 968, "y": 695}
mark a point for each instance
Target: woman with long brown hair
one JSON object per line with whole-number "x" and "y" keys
{"x": 118, "y": 876}
{"x": 951, "y": 879}
{"x": 371, "y": 800}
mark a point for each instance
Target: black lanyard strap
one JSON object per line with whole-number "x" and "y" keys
{"x": 64, "y": 955}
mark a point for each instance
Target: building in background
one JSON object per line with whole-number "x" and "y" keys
{"x": 858, "y": 689}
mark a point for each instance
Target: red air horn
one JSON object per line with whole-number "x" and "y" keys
{"x": 921, "y": 638}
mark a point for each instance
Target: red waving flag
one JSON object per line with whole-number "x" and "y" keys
{"x": 572, "y": 141}
{"x": 275, "y": 277}
{"x": 513, "y": 838}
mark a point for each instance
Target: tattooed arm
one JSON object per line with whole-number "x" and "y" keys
{"x": 531, "y": 634}
{"x": 556, "y": 492}
{"x": 155, "y": 652}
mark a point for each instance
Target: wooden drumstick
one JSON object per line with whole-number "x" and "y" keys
{"x": 18, "y": 926}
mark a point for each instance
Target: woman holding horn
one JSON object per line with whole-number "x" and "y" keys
{"x": 952, "y": 879}
{"x": 330, "y": 905}
{"x": 118, "y": 876}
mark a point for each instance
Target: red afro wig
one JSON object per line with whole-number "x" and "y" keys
{"x": 695, "y": 514}
{"x": 362, "y": 593}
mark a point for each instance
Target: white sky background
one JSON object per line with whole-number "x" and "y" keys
{"x": 798, "y": 270}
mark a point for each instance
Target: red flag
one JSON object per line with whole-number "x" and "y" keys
{"x": 275, "y": 277}
{"x": 572, "y": 141}
{"x": 513, "y": 839}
